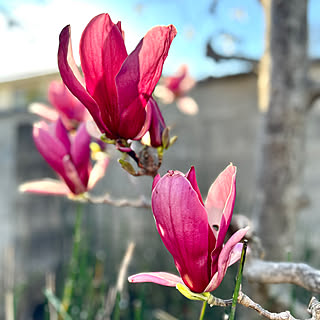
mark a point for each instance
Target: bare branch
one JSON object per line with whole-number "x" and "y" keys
{"x": 118, "y": 288}
{"x": 141, "y": 202}
{"x": 244, "y": 300}
{"x": 283, "y": 272}
{"x": 218, "y": 57}
{"x": 249, "y": 303}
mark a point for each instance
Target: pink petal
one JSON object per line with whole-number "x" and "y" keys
{"x": 228, "y": 255}
{"x": 173, "y": 83}
{"x": 182, "y": 223}
{"x": 102, "y": 52}
{"x": 49, "y": 147}
{"x": 191, "y": 176}
{"x": 147, "y": 123}
{"x": 220, "y": 202}
{"x": 66, "y": 103}
{"x": 133, "y": 119}
{"x": 155, "y": 180}
{"x": 80, "y": 153}
{"x": 97, "y": 172}
{"x": 72, "y": 78}
{"x": 45, "y": 186}
{"x": 71, "y": 177}
{"x": 187, "y": 105}
{"x": 162, "y": 278}
{"x": 43, "y": 111}
{"x": 61, "y": 133}
{"x": 142, "y": 69}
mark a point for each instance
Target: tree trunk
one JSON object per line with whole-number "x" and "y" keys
{"x": 284, "y": 99}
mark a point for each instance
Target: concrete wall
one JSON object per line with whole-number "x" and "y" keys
{"x": 225, "y": 130}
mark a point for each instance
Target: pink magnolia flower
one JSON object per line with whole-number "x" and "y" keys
{"x": 116, "y": 87}
{"x": 194, "y": 231}
{"x": 69, "y": 156}
{"x": 66, "y": 106}
{"x": 175, "y": 88}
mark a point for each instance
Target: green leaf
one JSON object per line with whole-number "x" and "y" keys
{"x": 127, "y": 166}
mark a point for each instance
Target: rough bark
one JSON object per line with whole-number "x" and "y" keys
{"x": 284, "y": 98}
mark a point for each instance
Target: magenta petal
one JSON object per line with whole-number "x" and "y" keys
{"x": 220, "y": 202}
{"x": 80, "y": 153}
{"x": 228, "y": 255}
{"x": 72, "y": 78}
{"x": 49, "y": 147}
{"x": 182, "y": 223}
{"x": 132, "y": 120}
{"x": 191, "y": 176}
{"x": 157, "y": 124}
{"x": 142, "y": 69}
{"x": 45, "y": 186}
{"x": 71, "y": 177}
{"x": 146, "y": 124}
{"x": 102, "y": 52}
{"x": 162, "y": 278}
{"x": 155, "y": 180}
{"x": 61, "y": 133}
{"x": 66, "y": 103}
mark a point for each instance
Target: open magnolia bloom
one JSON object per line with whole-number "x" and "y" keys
{"x": 193, "y": 231}
{"x": 66, "y": 106}
{"x": 69, "y": 156}
{"x": 175, "y": 88}
{"x": 116, "y": 87}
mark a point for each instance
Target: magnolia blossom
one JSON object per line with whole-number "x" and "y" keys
{"x": 175, "y": 88}
{"x": 116, "y": 86}
{"x": 194, "y": 231}
{"x": 66, "y": 106}
{"x": 69, "y": 156}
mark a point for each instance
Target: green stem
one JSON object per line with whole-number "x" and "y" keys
{"x": 203, "y": 310}
{"x": 238, "y": 281}
{"x": 72, "y": 273}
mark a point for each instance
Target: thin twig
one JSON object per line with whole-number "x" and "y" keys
{"x": 118, "y": 288}
{"x": 106, "y": 199}
{"x": 244, "y": 300}
{"x": 50, "y": 285}
{"x": 218, "y": 57}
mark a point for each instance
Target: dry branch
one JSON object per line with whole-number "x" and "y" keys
{"x": 268, "y": 272}
{"x": 244, "y": 300}
{"x": 211, "y": 53}
{"x": 141, "y": 202}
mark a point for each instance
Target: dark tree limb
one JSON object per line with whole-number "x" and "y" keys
{"x": 212, "y": 53}
{"x": 314, "y": 92}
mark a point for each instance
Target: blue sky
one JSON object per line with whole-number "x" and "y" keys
{"x": 236, "y": 26}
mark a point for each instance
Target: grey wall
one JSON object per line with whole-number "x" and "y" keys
{"x": 39, "y": 228}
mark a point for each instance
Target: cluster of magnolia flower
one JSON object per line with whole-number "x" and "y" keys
{"x": 115, "y": 93}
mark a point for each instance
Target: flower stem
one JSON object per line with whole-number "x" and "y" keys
{"x": 203, "y": 310}
{"x": 69, "y": 284}
{"x": 238, "y": 281}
